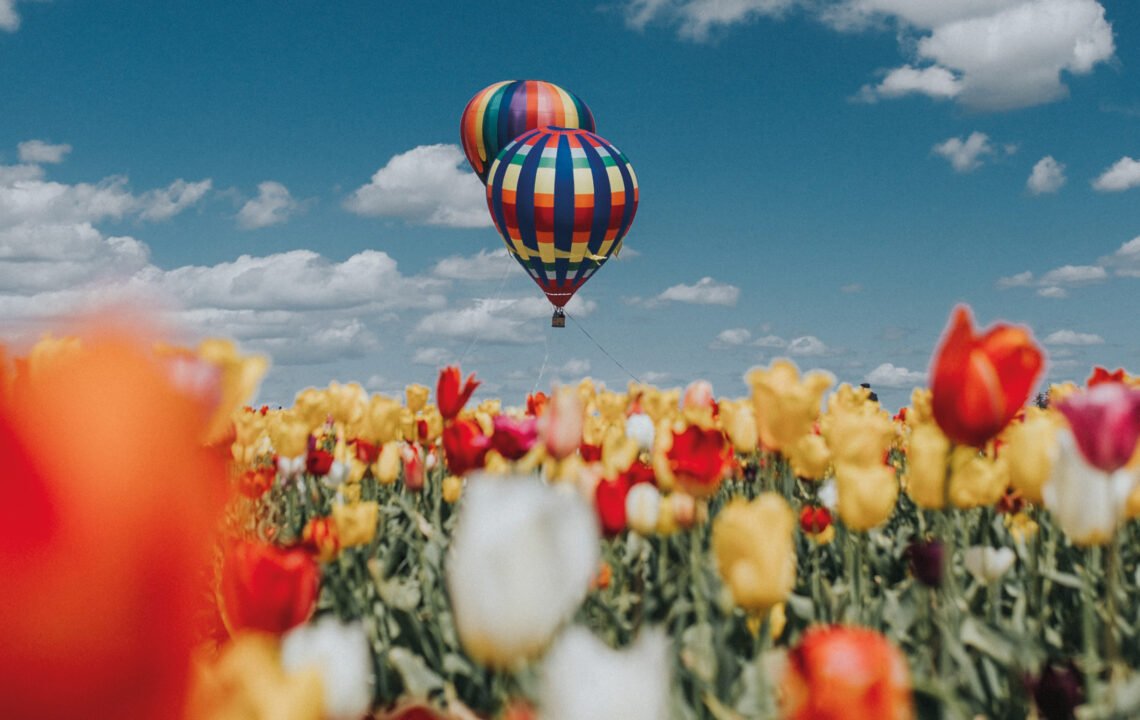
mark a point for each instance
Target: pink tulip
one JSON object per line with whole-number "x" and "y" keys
{"x": 1105, "y": 421}
{"x": 562, "y": 423}
{"x": 699, "y": 394}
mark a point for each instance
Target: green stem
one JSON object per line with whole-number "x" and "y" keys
{"x": 1088, "y": 627}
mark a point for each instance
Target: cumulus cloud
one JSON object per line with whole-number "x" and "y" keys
{"x": 574, "y": 367}
{"x": 9, "y": 18}
{"x": 1047, "y": 177}
{"x": 166, "y": 203}
{"x": 888, "y": 375}
{"x": 428, "y": 185}
{"x": 1070, "y": 275}
{"x": 272, "y": 206}
{"x": 934, "y": 82}
{"x": 770, "y": 341}
{"x": 697, "y": 19}
{"x": 965, "y": 155}
{"x": 1125, "y": 262}
{"x": 851, "y": 288}
{"x": 483, "y": 265}
{"x": 706, "y": 291}
{"x": 1071, "y": 337}
{"x": 1053, "y": 292}
{"x": 502, "y": 321}
{"x": 733, "y": 337}
{"x": 1022, "y": 279}
{"x": 432, "y": 356}
{"x": 1123, "y": 175}
{"x": 807, "y": 346}
{"x": 38, "y": 151}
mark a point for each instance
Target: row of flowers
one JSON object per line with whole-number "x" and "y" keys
{"x": 638, "y": 554}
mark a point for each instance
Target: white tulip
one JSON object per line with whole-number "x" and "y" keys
{"x": 828, "y": 495}
{"x": 639, "y": 428}
{"x": 642, "y": 506}
{"x": 1086, "y": 502}
{"x": 987, "y": 564}
{"x": 290, "y": 468}
{"x": 584, "y": 679}
{"x": 520, "y": 564}
{"x": 340, "y": 654}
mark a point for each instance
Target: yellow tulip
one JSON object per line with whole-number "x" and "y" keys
{"x": 48, "y": 350}
{"x": 386, "y": 469}
{"x": 247, "y": 682}
{"x": 785, "y": 405}
{"x": 313, "y": 406}
{"x": 857, "y": 430}
{"x": 976, "y": 480}
{"x": 434, "y": 421}
{"x": 777, "y": 620}
{"x": 927, "y": 454}
{"x": 754, "y": 546}
{"x": 921, "y": 411}
{"x": 452, "y": 489}
{"x": 417, "y": 397}
{"x": 867, "y": 495}
{"x": 618, "y": 453}
{"x": 810, "y": 457}
{"x": 611, "y": 406}
{"x": 666, "y": 522}
{"x": 240, "y": 376}
{"x": 384, "y": 419}
{"x": 739, "y": 424}
{"x": 356, "y": 523}
{"x": 289, "y": 434}
{"x": 1060, "y": 391}
{"x": 347, "y": 403}
{"x": 1029, "y": 448}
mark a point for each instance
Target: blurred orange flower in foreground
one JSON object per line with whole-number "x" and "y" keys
{"x": 105, "y": 530}
{"x": 846, "y": 673}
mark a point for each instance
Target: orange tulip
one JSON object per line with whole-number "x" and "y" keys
{"x": 846, "y": 673}
{"x": 105, "y": 530}
{"x": 267, "y": 588}
{"x": 980, "y": 382}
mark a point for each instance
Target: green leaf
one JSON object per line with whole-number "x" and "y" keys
{"x": 400, "y": 593}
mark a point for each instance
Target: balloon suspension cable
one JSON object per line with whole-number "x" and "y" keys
{"x": 545, "y": 358}
{"x": 604, "y": 351}
{"x": 498, "y": 292}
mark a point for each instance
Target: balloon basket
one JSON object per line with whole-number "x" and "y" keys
{"x": 559, "y": 318}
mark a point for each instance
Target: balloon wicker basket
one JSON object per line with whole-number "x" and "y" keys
{"x": 559, "y": 318}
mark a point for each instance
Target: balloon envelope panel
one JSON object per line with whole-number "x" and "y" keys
{"x": 562, "y": 199}
{"x": 501, "y": 112}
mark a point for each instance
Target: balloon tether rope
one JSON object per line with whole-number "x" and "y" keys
{"x": 545, "y": 358}
{"x": 604, "y": 351}
{"x": 498, "y": 293}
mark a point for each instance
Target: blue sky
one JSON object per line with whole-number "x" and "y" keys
{"x": 820, "y": 179}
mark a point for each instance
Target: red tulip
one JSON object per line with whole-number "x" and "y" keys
{"x": 320, "y": 538}
{"x": 846, "y": 673}
{"x": 449, "y": 395}
{"x": 319, "y": 462}
{"x": 1102, "y": 375}
{"x": 267, "y": 588}
{"x": 1106, "y": 423}
{"x": 513, "y": 438}
{"x": 466, "y": 446}
{"x": 107, "y": 521}
{"x": 699, "y": 459}
{"x": 366, "y": 452}
{"x": 536, "y": 404}
{"x": 609, "y": 500}
{"x": 255, "y": 483}
{"x": 814, "y": 520}
{"x": 980, "y": 382}
{"x": 413, "y": 459}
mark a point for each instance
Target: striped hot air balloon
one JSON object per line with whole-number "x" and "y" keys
{"x": 562, "y": 199}
{"x": 501, "y": 112}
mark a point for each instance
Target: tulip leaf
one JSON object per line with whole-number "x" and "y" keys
{"x": 983, "y": 638}
{"x": 419, "y": 680}
{"x": 1066, "y": 579}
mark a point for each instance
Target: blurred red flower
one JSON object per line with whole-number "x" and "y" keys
{"x": 466, "y": 446}
{"x": 268, "y": 588}
{"x": 981, "y": 381}
{"x": 699, "y": 459}
{"x": 449, "y": 396}
{"x": 513, "y": 438}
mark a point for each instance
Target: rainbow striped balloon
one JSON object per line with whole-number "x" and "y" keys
{"x": 562, "y": 199}
{"x": 501, "y": 112}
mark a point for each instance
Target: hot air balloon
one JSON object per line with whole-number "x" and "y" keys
{"x": 562, "y": 199}
{"x": 501, "y": 112}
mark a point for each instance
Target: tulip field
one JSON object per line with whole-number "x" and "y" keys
{"x": 791, "y": 550}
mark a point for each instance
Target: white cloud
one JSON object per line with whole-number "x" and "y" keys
{"x": 272, "y": 206}
{"x": 432, "y": 356}
{"x": 1022, "y": 279}
{"x": 1125, "y": 262}
{"x": 770, "y": 341}
{"x": 429, "y": 185}
{"x": 574, "y": 367}
{"x": 1053, "y": 292}
{"x": 168, "y": 202}
{"x": 653, "y": 377}
{"x": 511, "y": 321}
{"x": 1071, "y": 337}
{"x": 807, "y": 346}
{"x": 483, "y": 265}
{"x": 696, "y": 19}
{"x": 1074, "y": 275}
{"x": 887, "y": 375}
{"x": 934, "y": 82}
{"x": 9, "y": 18}
{"x": 851, "y": 288}
{"x": 733, "y": 336}
{"x": 1047, "y": 177}
{"x": 706, "y": 291}
{"x": 38, "y": 151}
{"x": 1124, "y": 174}
{"x": 964, "y": 155}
